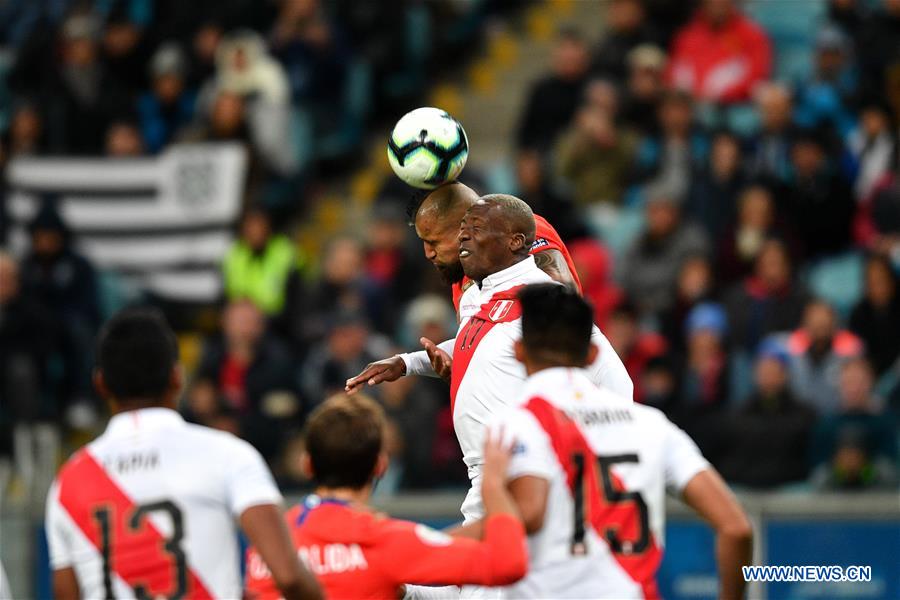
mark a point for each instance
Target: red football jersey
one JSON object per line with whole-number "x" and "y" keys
{"x": 545, "y": 238}
{"x": 358, "y": 554}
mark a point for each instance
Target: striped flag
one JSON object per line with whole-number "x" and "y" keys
{"x": 163, "y": 223}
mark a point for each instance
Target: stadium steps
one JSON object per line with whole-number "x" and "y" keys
{"x": 487, "y": 97}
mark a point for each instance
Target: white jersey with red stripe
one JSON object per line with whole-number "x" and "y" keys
{"x": 608, "y": 462}
{"x": 150, "y": 506}
{"x": 486, "y": 378}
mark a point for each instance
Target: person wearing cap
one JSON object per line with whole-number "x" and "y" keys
{"x": 168, "y": 105}
{"x": 768, "y": 438}
{"x": 644, "y": 87}
{"x": 706, "y": 374}
{"x": 651, "y": 265}
{"x": 829, "y": 95}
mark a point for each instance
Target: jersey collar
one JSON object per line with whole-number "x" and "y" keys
{"x": 142, "y": 419}
{"x": 514, "y": 275}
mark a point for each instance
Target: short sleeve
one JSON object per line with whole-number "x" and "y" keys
{"x": 532, "y": 454}
{"x": 683, "y": 459}
{"x": 248, "y": 481}
{"x": 607, "y": 370}
{"x": 59, "y": 534}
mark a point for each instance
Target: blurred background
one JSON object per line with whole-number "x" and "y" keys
{"x": 725, "y": 175}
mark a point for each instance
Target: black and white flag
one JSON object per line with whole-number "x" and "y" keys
{"x": 163, "y": 223}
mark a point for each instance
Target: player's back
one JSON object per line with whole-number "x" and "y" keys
{"x": 151, "y": 504}
{"x": 608, "y": 462}
{"x": 356, "y": 553}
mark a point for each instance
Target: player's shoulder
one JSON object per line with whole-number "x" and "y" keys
{"x": 410, "y": 532}
{"x": 208, "y": 441}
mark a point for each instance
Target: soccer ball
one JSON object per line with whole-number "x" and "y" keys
{"x": 427, "y": 148}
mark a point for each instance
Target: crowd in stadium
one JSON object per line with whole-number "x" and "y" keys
{"x": 735, "y": 220}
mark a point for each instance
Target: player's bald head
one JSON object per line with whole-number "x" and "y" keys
{"x": 447, "y": 203}
{"x": 510, "y": 213}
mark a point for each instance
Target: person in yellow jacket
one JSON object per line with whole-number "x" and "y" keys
{"x": 259, "y": 264}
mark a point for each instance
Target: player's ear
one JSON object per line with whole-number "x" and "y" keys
{"x": 381, "y": 465}
{"x": 519, "y": 350}
{"x": 306, "y": 466}
{"x": 593, "y": 351}
{"x": 100, "y": 384}
{"x": 517, "y": 242}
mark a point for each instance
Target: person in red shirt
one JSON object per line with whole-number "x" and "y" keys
{"x": 357, "y": 553}
{"x": 720, "y": 55}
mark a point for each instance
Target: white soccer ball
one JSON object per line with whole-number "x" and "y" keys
{"x": 427, "y": 148}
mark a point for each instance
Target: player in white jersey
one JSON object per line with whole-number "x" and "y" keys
{"x": 148, "y": 509}
{"x": 590, "y": 470}
{"x": 494, "y": 240}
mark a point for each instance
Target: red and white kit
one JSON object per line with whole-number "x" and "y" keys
{"x": 608, "y": 462}
{"x": 150, "y": 506}
{"x": 486, "y": 378}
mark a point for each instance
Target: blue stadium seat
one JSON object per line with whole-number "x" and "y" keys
{"x": 838, "y": 280}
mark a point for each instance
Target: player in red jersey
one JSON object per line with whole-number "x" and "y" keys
{"x": 357, "y": 553}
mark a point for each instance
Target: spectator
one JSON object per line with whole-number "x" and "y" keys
{"x": 169, "y": 105}
{"x": 818, "y": 351}
{"x": 651, "y": 265}
{"x": 545, "y": 199}
{"x": 260, "y": 264}
{"x": 879, "y": 53}
{"x": 659, "y": 384}
{"x": 721, "y": 54}
{"x": 389, "y": 266}
{"x": 848, "y": 16}
{"x": 644, "y": 88}
{"x": 695, "y": 285}
{"x": 714, "y": 189}
{"x": 817, "y": 189}
{"x": 769, "y": 438}
{"x": 678, "y": 149}
{"x": 827, "y": 98}
{"x": 60, "y": 278}
{"x": 30, "y": 412}
{"x": 770, "y": 157}
{"x": 756, "y": 223}
{"x": 594, "y": 265}
{"x": 347, "y": 349}
{"x": 81, "y": 95}
{"x": 876, "y": 317}
{"x": 635, "y": 347}
{"x": 853, "y": 467}
{"x": 705, "y": 376}
{"x": 315, "y": 55}
{"x": 341, "y": 287}
{"x": 595, "y": 157}
{"x": 250, "y": 373}
{"x": 767, "y": 301}
{"x": 553, "y": 100}
{"x": 627, "y": 28}
{"x": 872, "y": 147}
{"x": 125, "y": 52}
{"x": 123, "y": 140}
{"x": 27, "y": 135}
{"x": 859, "y": 410}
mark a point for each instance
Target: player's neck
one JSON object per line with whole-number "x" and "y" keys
{"x": 358, "y": 497}
{"x": 516, "y": 259}
{"x": 535, "y": 366}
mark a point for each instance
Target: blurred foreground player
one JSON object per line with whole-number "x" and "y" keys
{"x": 357, "y": 553}
{"x": 590, "y": 470}
{"x": 147, "y": 509}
